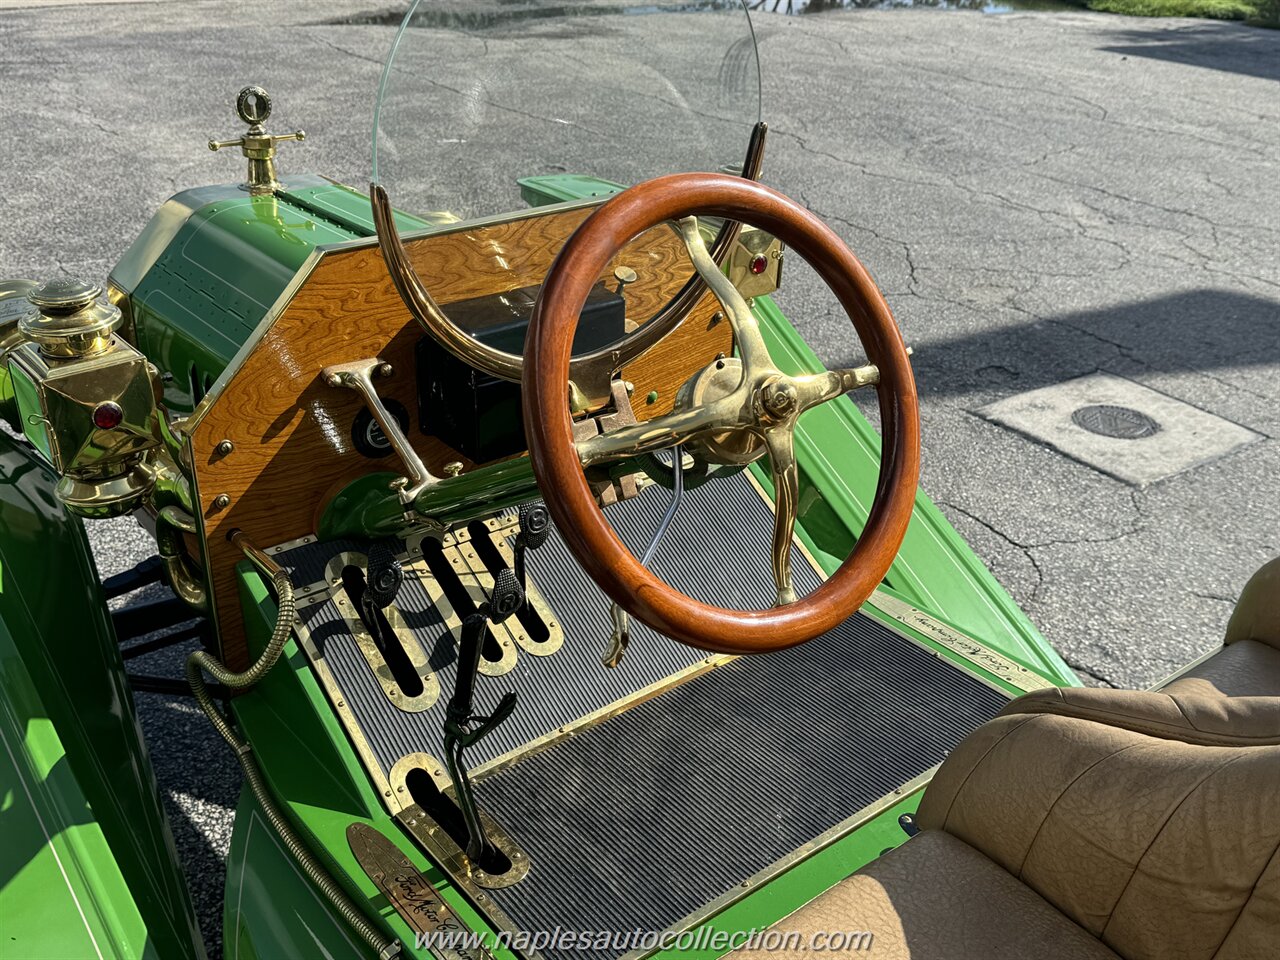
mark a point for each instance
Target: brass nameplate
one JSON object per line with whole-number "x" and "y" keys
{"x": 411, "y": 893}
{"x": 971, "y": 650}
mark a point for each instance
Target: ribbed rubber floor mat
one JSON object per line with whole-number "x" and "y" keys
{"x": 645, "y": 818}
{"x": 638, "y": 821}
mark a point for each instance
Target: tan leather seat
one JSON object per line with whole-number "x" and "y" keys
{"x": 938, "y": 898}
{"x": 1247, "y": 668}
{"x": 1248, "y": 664}
{"x": 1084, "y": 823}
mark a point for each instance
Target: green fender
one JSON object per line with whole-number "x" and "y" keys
{"x": 88, "y": 865}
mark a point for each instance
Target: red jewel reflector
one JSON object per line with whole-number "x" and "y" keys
{"x": 107, "y": 415}
{"x": 759, "y": 263}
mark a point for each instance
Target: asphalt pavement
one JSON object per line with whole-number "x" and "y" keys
{"x": 1040, "y": 196}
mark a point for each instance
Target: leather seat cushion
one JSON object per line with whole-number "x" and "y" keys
{"x": 1245, "y": 668}
{"x": 937, "y": 898}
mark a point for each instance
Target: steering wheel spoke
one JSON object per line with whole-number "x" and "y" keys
{"x": 786, "y": 500}
{"x": 746, "y": 331}
{"x": 650, "y": 435}
{"x": 817, "y": 388}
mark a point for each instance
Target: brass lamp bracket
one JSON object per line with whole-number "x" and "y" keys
{"x": 359, "y": 376}
{"x": 254, "y": 107}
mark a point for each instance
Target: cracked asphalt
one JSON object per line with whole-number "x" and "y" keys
{"x": 1040, "y": 196}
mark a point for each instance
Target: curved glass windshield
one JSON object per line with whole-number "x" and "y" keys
{"x": 488, "y": 106}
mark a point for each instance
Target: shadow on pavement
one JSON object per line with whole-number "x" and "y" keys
{"x": 1249, "y": 51}
{"x": 1196, "y": 331}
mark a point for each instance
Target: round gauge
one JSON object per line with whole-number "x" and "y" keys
{"x": 368, "y": 436}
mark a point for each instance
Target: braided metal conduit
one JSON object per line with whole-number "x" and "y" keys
{"x": 200, "y": 663}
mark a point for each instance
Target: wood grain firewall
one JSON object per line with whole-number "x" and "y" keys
{"x": 291, "y": 434}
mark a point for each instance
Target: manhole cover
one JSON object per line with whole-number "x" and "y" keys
{"x": 1121, "y": 423}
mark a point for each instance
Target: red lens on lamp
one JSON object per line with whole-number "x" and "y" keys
{"x": 107, "y": 415}
{"x": 759, "y": 264}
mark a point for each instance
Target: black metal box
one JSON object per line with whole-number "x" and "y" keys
{"x": 478, "y": 414}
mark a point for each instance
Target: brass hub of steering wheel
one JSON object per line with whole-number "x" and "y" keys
{"x": 710, "y": 385}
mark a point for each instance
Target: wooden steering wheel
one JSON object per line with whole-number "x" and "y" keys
{"x": 733, "y": 411}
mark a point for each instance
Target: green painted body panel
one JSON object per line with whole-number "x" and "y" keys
{"x": 228, "y": 258}
{"x": 63, "y": 678}
{"x": 560, "y": 187}
{"x": 61, "y": 890}
{"x": 350, "y": 208}
{"x": 8, "y": 402}
{"x": 214, "y": 260}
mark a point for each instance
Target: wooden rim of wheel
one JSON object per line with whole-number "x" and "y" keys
{"x": 549, "y": 428}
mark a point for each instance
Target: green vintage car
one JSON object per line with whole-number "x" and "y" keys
{"x": 554, "y": 598}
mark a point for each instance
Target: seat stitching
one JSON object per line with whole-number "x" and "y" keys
{"x": 1185, "y": 717}
{"x": 1245, "y": 905}
{"x": 1157, "y": 834}
{"x": 946, "y": 817}
{"x": 1062, "y": 793}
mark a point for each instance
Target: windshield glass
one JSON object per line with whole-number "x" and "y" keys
{"x": 571, "y": 98}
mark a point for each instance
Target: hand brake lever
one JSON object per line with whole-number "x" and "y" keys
{"x": 463, "y": 728}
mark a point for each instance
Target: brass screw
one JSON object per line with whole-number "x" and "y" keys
{"x": 384, "y": 370}
{"x": 224, "y": 448}
{"x": 221, "y": 501}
